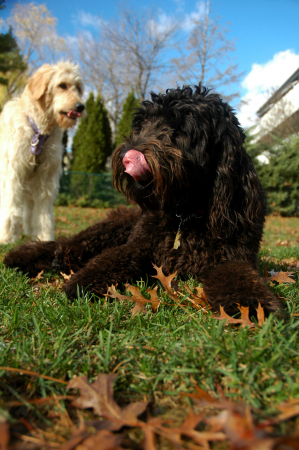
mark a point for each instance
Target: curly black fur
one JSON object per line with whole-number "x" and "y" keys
{"x": 193, "y": 144}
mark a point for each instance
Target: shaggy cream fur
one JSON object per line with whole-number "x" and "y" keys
{"x": 29, "y": 184}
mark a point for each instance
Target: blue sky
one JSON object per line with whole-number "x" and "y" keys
{"x": 267, "y": 32}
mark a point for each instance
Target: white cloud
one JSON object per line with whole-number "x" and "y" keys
{"x": 87, "y": 20}
{"x": 162, "y": 25}
{"x": 197, "y": 14}
{"x": 262, "y": 80}
{"x": 166, "y": 22}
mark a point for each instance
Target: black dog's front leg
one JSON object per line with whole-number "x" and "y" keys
{"x": 32, "y": 258}
{"x": 234, "y": 283}
{"x": 74, "y": 252}
{"x": 114, "y": 230}
{"x": 113, "y": 266}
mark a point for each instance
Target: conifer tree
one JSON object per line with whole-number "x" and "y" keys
{"x": 92, "y": 142}
{"x": 11, "y": 61}
{"x": 278, "y": 176}
{"x": 124, "y": 126}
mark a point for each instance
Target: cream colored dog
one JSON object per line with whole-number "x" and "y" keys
{"x": 31, "y": 150}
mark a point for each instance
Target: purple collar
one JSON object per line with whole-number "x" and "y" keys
{"x": 38, "y": 140}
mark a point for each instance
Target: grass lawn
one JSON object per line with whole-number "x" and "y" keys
{"x": 157, "y": 356}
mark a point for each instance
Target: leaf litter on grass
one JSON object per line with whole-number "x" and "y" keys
{"x": 207, "y": 421}
{"x": 197, "y": 300}
{"x": 233, "y": 424}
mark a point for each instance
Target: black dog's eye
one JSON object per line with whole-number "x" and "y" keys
{"x": 63, "y": 86}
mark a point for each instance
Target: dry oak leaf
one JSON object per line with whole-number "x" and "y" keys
{"x": 137, "y": 297}
{"x": 103, "y": 440}
{"x": 288, "y": 409}
{"x": 142, "y": 301}
{"x": 236, "y": 423}
{"x": 281, "y": 277}
{"x": 166, "y": 282}
{"x": 200, "y": 396}
{"x": 260, "y": 315}
{"x": 65, "y": 276}
{"x": 39, "y": 275}
{"x": 99, "y": 396}
{"x": 188, "y": 429}
{"x": 244, "y": 321}
{"x": 198, "y": 299}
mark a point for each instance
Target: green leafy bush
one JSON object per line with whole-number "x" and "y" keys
{"x": 280, "y": 177}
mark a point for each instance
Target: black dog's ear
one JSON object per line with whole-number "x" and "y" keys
{"x": 238, "y": 199}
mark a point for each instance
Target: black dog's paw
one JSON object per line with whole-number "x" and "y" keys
{"x": 31, "y": 258}
{"x": 80, "y": 284}
{"x": 233, "y": 308}
{"x": 61, "y": 261}
{"x": 72, "y": 289}
{"x": 235, "y": 283}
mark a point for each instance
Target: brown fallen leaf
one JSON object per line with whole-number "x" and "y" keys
{"x": 137, "y": 297}
{"x": 103, "y": 440}
{"x": 188, "y": 429}
{"x": 281, "y": 243}
{"x": 291, "y": 262}
{"x": 245, "y": 316}
{"x": 38, "y": 277}
{"x": 142, "y": 301}
{"x": 78, "y": 436}
{"x": 244, "y": 321}
{"x": 99, "y": 396}
{"x": 288, "y": 409}
{"x": 65, "y": 276}
{"x": 166, "y": 282}
{"x": 282, "y": 277}
{"x": 236, "y": 422}
{"x": 200, "y": 396}
{"x": 112, "y": 292}
{"x": 149, "y": 435}
{"x": 260, "y": 315}
{"x": 198, "y": 299}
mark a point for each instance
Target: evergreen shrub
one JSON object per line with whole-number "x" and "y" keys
{"x": 280, "y": 177}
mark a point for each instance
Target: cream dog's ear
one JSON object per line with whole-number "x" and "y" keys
{"x": 38, "y": 83}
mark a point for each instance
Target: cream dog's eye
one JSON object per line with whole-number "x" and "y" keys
{"x": 63, "y": 86}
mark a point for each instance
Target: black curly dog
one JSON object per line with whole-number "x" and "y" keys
{"x": 201, "y": 208}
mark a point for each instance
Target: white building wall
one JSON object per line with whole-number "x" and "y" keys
{"x": 279, "y": 112}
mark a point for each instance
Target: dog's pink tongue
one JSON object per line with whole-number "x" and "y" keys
{"x": 73, "y": 114}
{"x": 136, "y": 165}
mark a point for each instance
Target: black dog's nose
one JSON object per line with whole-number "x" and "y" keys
{"x": 79, "y": 107}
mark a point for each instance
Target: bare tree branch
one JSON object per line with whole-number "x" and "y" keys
{"x": 130, "y": 52}
{"x": 35, "y": 31}
{"x": 207, "y": 57}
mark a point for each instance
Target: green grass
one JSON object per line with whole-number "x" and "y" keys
{"x": 157, "y": 356}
